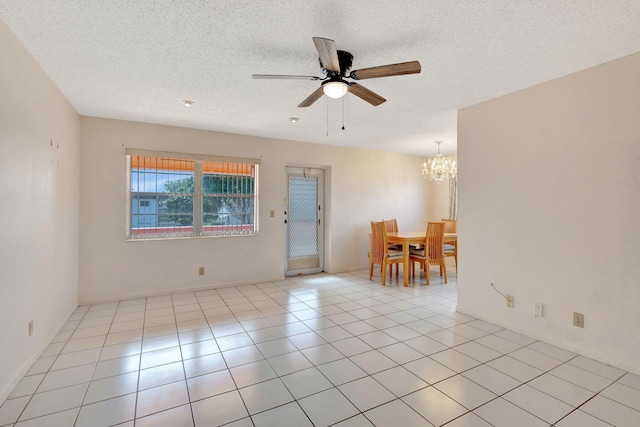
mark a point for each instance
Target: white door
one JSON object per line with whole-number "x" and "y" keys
{"x": 304, "y": 216}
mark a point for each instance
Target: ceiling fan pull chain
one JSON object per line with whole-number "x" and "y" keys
{"x": 343, "y": 113}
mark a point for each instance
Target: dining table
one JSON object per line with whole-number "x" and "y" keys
{"x": 408, "y": 238}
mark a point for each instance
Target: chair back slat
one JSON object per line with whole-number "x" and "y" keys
{"x": 435, "y": 242}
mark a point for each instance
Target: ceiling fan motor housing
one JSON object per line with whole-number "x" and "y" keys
{"x": 345, "y": 59}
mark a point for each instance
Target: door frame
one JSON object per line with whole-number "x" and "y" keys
{"x": 321, "y": 173}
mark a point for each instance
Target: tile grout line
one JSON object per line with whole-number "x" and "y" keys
{"x": 359, "y": 290}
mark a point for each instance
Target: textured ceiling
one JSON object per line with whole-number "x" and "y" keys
{"x": 138, "y": 59}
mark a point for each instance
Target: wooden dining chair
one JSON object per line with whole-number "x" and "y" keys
{"x": 380, "y": 252}
{"x": 451, "y": 250}
{"x": 432, "y": 253}
{"x": 391, "y": 225}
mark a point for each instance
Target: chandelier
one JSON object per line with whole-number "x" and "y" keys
{"x": 439, "y": 168}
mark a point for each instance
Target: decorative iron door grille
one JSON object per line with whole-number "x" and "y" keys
{"x": 304, "y": 220}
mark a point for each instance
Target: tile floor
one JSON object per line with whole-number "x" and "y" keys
{"x": 314, "y": 350}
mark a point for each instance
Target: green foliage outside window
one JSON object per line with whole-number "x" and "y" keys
{"x": 223, "y": 197}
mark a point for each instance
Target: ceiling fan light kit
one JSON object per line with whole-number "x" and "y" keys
{"x": 335, "y": 65}
{"x": 335, "y": 88}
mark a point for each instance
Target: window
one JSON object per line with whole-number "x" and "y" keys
{"x": 183, "y": 195}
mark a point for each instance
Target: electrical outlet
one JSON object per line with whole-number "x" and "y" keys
{"x": 578, "y": 320}
{"x": 201, "y": 271}
{"x": 510, "y": 301}
{"x": 30, "y": 327}
{"x": 539, "y": 312}
{"x": 272, "y": 213}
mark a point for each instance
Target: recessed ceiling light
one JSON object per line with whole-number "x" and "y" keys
{"x": 187, "y": 103}
{"x": 294, "y": 119}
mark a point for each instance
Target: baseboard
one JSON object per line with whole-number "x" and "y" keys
{"x": 24, "y": 368}
{"x": 151, "y": 293}
{"x": 599, "y": 357}
{"x": 346, "y": 270}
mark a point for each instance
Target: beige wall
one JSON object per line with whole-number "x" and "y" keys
{"x": 39, "y": 176}
{"x": 549, "y": 207}
{"x": 362, "y": 185}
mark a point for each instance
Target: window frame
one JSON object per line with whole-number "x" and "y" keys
{"x": 239, "y": 169}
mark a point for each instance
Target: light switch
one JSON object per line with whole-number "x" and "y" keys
{"x": 272, "y": 213}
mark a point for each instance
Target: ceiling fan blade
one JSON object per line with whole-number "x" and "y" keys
{"x": 284, "y": 77}
{"x": 365, "y": 94}
{"x": 412, "y": 67}
{"x": 328, "y": 53}
{"x": 317, "y": 94}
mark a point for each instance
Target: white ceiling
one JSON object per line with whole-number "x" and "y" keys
{"x": 138, "y": 59}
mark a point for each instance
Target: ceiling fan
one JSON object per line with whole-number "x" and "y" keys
{"x": 336, "y": 65}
